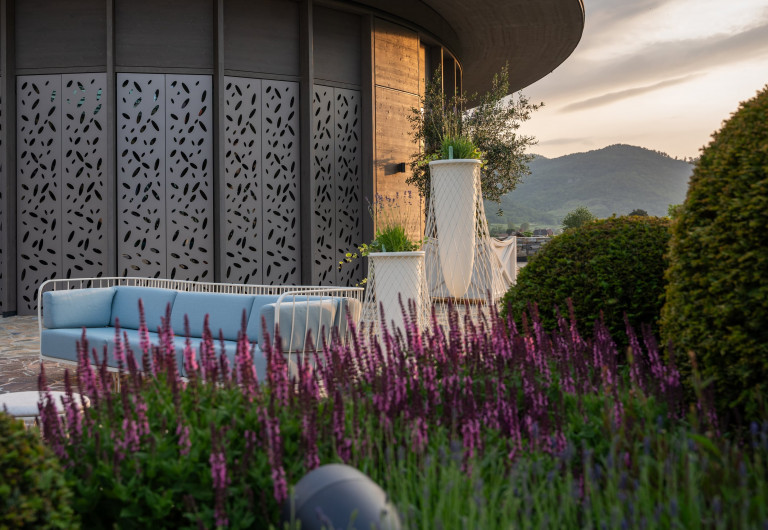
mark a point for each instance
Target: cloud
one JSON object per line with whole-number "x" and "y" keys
{"x": 624, "y": 94}
{"x": 661, "y": 60}
{"x": 566, "y": 141}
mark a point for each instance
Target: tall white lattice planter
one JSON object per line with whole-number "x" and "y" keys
{"x": 461, "y": 265}
{"x": 391, "y": 275}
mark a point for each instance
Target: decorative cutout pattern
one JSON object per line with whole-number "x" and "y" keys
{"x": 280, "y": 177}
{"x": 324, "y": 262}
{"x": 84, "y": 150}
{"x": 242, "y": 180}
{"x": 349, "y": 210}
{"x": 336, "y": 192}
{"x": 3, "y": 208}
{"x": 141, "y": 227}
{"x": 38, "y": 197}
{"x": 189, "y": 199}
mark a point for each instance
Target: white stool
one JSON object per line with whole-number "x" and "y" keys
{"x": 23, "y": 405}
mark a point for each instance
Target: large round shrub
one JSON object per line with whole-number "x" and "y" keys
{"x": 614, "y": 266}
{"x": 717, "y": 294}
{"x": 33, "y": 492}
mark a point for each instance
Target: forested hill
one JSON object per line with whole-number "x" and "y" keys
{"x": 616, "y": 179}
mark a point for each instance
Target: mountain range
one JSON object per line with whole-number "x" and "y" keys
{"x": 616, "y": 179}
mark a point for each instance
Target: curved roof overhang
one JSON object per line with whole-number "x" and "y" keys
{"x": 533, "y": 36}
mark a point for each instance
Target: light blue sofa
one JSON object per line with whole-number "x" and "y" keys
{"x": 66, "y": 312}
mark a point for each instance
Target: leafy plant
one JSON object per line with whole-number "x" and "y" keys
{"x": 491, "y": 126}
{"x": 610, "y": 267}
{"x": 33, "y": 490}
{"x": 578, "y": 217}
{"x": 481, "y": 426}
{"x": 393, "y": 221}
{"x": 459, "y": 147}
{"x": 717, "y": 294}
{"x": 639, "y": 212}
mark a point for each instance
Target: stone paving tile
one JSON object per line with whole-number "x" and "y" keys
{"x": 20, "y": 357}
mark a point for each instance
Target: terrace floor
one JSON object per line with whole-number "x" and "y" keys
{"x": 20, "y": 357}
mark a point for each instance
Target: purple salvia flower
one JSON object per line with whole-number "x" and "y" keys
{"x": 220, "y": 483}
{"x": 185, "y": 444}
{"x": 119, "y": 350}
{"x": 144, "y": 342}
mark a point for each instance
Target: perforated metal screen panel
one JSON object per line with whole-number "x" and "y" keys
{"x": 280, "y": 177}
{"x": 60, "y": 155}
{"x": 84, "y": 173}
{"x": 242, "y": 180}
{"x": 189, "y": 199}
{"x": 336, "y": 191}
{"x": 3, "y": 210}
{"x": 164, "y": 177}
{"x": 38, "y": 182}
{"x": 141, "y": 225}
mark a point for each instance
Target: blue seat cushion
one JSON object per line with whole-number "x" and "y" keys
{"x": 78, "y": 308}
{"x": 61, "y": 343}
{"x": 125, "y": 305}
{"x": 225, "y": 313}
{"x": 254, "y": 323}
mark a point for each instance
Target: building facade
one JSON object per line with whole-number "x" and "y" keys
{"x": 227, "y": 140}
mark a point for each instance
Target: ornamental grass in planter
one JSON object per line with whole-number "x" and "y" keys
{"x": 485, "y": 426}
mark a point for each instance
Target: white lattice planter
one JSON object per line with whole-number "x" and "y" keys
{"x": 462, "y": 266}
{"x": 392, "y": 275}
{"x": 454, "y": 194}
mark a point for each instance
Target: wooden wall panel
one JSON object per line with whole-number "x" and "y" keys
{"x": 57, "y": 34}
{"x": 169, "y": 34}
{"x": 397, "y": 57}
{"x": 336, "y": 46}
{"x": 263, "y": 39}
{"x": 393, "y": 146}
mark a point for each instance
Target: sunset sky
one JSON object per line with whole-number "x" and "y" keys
{"x": 661, "y": 74}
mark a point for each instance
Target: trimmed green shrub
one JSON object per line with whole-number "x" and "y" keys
{"x": 613, "y": 266}
{"x": 578, "y": 217}
{"x": 717, "y": 293}
{"x": 33, "y": 492}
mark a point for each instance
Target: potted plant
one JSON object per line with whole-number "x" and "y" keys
{"x": 454, "y": 194}
{"x": 395, "y": 261}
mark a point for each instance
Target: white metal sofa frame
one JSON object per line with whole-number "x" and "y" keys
{"x": 291, "y": 294}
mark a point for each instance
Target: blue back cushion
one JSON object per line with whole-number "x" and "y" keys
{"x": 77, "y": 308}
{"x": 254, "y": 323}
{"x": 296, "y": 318}
{"x": 225, "y": 310}
{"x": 125, "y": 305}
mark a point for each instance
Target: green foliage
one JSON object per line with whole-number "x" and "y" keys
{"x": 578, "y": 217}
{"x": 638, "y": 211}
{"x": 672, "y": 210}
{"x": 459, "y": 147}
{"x": 612, "y": 266}
{"x": 717, "y": 294}
{"x": 33, "y": 492}
{"x": 491, "y": 126}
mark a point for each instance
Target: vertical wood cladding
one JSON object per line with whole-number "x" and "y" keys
{"x": 336, "y": 46}
{"x": 397, "y": 79}
{"x": 61, "y": 149}
{"x": 164, "y": 34}
{"x": 57, "y": 34}
{"x": 261, "y": 37}
{"x": 397, "y": 57}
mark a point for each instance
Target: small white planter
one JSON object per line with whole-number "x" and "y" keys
{"x": 454, "y": 196}
{"x": 398, "y": 273}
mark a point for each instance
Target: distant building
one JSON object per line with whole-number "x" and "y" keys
{"x": 228, "y": 140}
